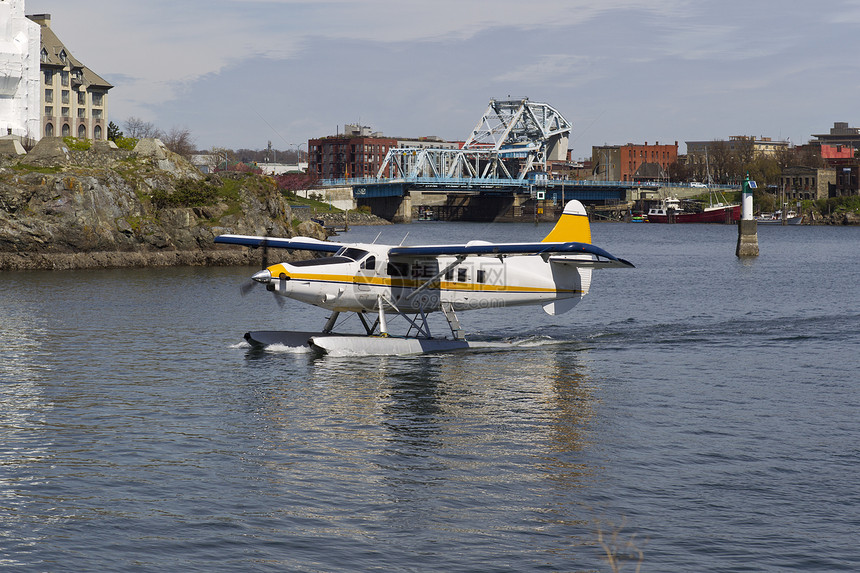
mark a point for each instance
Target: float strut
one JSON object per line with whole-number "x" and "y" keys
{"x": 383, "y": 325}
{"x": 329, "y": 325}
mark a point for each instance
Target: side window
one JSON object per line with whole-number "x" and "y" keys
{"x": 479, "y": 276}
{"x": 425, "y": 269}
{"x": 398, "y": 270}
{"x": 461, "y": 275}
{"x": 449, "y": 276}
{"x": 369, "y": 263}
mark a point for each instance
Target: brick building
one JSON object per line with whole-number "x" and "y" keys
{"x": 633, "y": 162}
{"x": 355, "y": 153}
{"x": 841, "y": 158}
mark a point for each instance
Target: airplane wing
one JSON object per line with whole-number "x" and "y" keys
{"x": 482, "y": 248}
{"x": 296, "y": 243}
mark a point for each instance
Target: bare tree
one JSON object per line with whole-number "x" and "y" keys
{"x": 744, "y": 152}
{"x": 140, "y": 129}
{"x": 179, "y": 141}
{"x": 678, "y": 171}
{"x": 720, "y": 161}
{"x": 808, "y": 156}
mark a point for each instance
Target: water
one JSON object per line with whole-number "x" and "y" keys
{"x": 701, "y": 409}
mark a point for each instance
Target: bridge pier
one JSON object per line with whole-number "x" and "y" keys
{"x": 395, "y": 209}
{"x": 474, "y": 207}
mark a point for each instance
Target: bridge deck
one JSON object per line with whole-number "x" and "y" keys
{"x": 564, "y": 189}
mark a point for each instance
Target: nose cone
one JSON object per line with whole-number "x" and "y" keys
{"x": 263, "y": 276}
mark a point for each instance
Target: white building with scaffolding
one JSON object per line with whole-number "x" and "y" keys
{"x": 20, "y": 83}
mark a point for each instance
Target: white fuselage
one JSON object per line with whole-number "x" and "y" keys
{"x": 356, "y": 277}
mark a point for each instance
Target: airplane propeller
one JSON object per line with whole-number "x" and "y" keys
{"x": 247, "y": 287}
{"x": 264, "y": 263}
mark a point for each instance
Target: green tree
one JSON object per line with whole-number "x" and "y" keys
{"x": 765, "y": 170}
{"x": 113, "y": 131}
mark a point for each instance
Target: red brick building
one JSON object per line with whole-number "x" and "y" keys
{"x": 841, "y": 158}
{"x": 633, "y": 162}
{"x": 355, "y": 153}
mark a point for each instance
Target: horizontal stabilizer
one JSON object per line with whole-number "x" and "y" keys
{"x": 591, "y": 263}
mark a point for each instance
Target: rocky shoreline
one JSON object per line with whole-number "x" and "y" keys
{"x": 107, "y": 208}
{"x": 340, "y": 219}
{"x": 837, "y": 219}
{"x": 116, "y": 259}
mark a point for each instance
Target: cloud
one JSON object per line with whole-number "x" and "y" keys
{"x": 556, "y": 69}
{"x": 159, "y": 48}
{"x": 627, "y": 69}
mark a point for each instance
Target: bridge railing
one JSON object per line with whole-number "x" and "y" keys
{"x": 481, "y": 182}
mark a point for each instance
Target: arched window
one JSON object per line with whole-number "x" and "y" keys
{"x": 82, "y": 131}
{"x": 49, "y": 130}
{"x": 97, "y": 132}
{"x": 67, "y": 131}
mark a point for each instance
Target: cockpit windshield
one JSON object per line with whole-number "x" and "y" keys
{"x": 352, "y": 253}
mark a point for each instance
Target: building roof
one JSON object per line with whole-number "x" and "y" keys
{"x": 52, "y": 51}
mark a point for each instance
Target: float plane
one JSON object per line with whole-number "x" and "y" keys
{"x": 377, "y": 282}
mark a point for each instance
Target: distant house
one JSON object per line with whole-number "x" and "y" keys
{"x": 282, "y": 168}
{"x": 74, "y": 99}
{"x": 206, "y": 163}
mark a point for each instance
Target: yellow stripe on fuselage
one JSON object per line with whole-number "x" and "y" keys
{"x": 415, "y": 283}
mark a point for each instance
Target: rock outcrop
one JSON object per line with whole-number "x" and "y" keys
{"x": 104, "y": 207}
{"x": 841, "y": 218}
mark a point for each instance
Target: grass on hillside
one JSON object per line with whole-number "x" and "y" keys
{"x": 313, "y": 204}
{"x": 36, "y": 169}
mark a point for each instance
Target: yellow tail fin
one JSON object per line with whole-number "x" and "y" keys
{"x": 572, "y": 226}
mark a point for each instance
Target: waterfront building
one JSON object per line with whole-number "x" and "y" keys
{"x": 808, "y": 183}
{"x": 74, "y": 99}
{"x": 19, "y": 72}
{"x": 841, "y": 158}
{"x": 847, "y": 180}
{"x": 633, "y": 162}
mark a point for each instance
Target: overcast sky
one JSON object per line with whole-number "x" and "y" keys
{"x": 240, "y": 73}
